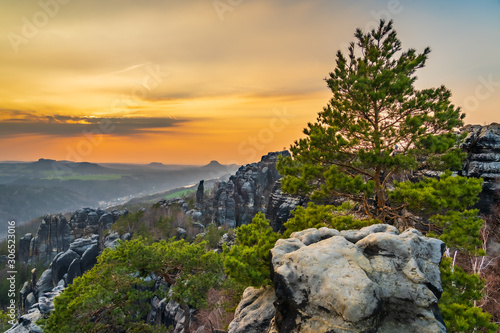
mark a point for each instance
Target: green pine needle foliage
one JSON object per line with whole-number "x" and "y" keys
{"x": 461, "y": 230}
{"x": 376, "y": 128}
{"x": 114, "y": 296}
{"x": 317, "y": 216}
{"x": 460, "y": 291}
{"x": 432, "y": 195}
{"x": 247, "y": 262}
{"x": 4, "y": 321}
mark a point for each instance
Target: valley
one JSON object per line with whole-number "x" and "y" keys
{"x": 32, "y": 189}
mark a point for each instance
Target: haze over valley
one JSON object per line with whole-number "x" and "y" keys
{"x": 32, "y": 189}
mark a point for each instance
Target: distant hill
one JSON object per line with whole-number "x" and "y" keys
{"x": 25, "y": 202}
{"x": 31, "y": 189}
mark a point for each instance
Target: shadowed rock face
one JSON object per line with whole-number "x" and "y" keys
{"x": 482, "y": 145}
{"x": 280, "y": 207}
{"x": 70, "y": 248}
{"x": 372, "y": 280}
{"x": 56, "y": 233}
{"x": 246, "y": 193}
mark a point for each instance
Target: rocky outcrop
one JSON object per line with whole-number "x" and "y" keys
{"x": 45, "y": 305}
{"x": 69, "y": 249}
{"x": 280, "y": 207}
{"x": 372, "y": 280}
{"x": 246, "y": 193}
{"x": 255, "y": 311}
{"x": 482, "y": 145}
{"x": 236, "y": 201}
{"x": 200, "y": 191}
{"x": 37, "y": 295}
{"x": 53, "y": 236}
{"x": 55, "y": 233}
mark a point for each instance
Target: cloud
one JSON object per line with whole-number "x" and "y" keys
{"x": 23, "y": 123}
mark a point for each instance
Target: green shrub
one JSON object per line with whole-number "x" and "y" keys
{"x": 248, "y": 261}
{"x": 457, "y": 304}
{"x": 317, "y": 216}
{"x": 115, "y": 295}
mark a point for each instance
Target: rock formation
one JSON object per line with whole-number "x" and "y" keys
{"x": 371, "y": 280}
{"x": 200, "y": 193}
{"x": 255, "y": 311}
{"x": 482, "y": 145}
{"x": 236, "y": 201}
{"x": 55, "y": 233}
{"x": 37, "y": 296}
{"x": 280, "y": 207}
{"x": 69, "y": 249}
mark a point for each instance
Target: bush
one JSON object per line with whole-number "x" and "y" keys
{"x": 248, "y": 261}
{"x": 457, "y": 304}
{"x": 115, "y": 295}
{"x": 317, "y": 216}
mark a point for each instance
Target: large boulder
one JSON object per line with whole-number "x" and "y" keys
{"x": 89, "y": 258}
{"x": 61, "y": 264}
{"x": 74, "y": 271}
{"x": 255, "y": 311}
{"x": 44, "y": 283}
{"x": 106, "y": 219}
{"x": 371, "y": 280}
{"x": 81, "y": 245}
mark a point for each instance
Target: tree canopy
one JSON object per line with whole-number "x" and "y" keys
{"x": 376, "y": 128}
{"x": 115, "y": 295}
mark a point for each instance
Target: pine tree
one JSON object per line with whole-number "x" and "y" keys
{"x": 376, "y": 127}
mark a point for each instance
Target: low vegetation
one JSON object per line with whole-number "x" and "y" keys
{"x": 126, "y": 276}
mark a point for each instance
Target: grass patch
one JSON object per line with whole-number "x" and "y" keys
{"x": 180, "y": 193}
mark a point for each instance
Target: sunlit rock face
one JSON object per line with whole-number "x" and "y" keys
{"x": 372, "y": 280}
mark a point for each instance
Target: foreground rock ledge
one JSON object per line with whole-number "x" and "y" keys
{"x": 371, "y": 280}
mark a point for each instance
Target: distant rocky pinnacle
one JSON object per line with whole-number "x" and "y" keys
{"x": 252, "y": 189}
{"x": 372, "y": 280}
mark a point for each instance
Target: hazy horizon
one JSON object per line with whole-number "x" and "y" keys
{"x": 110, "y": 163}
{"x": 189, "y": 82}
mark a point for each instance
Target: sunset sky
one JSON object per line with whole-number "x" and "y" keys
{"x": 186, "y": 82}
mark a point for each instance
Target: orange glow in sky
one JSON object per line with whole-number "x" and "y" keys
{"x": 186, "y": 82}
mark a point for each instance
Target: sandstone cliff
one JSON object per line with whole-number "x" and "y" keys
{"x": 372, "y": 280}
{"x": 482, "y": 145}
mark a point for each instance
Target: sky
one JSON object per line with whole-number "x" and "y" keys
{"x": 187, "y": 82}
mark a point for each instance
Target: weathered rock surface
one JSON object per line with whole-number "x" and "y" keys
{"x": 67, "y": 257}
{"x": 53, "y": 236}
{"x": 27, "y": 324}
{"x": 246, "y": 193}
{"x": 45, "y": 305}
{"x": 280, "y": 206}
{"x": 200, "y": 191}
{"x": 255, "y": 311}
{"x": 55, "y": 233}
{"x": 236, "y": 201}
{"x": 482, "y": 145}
{"x": 371, "y": 280}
